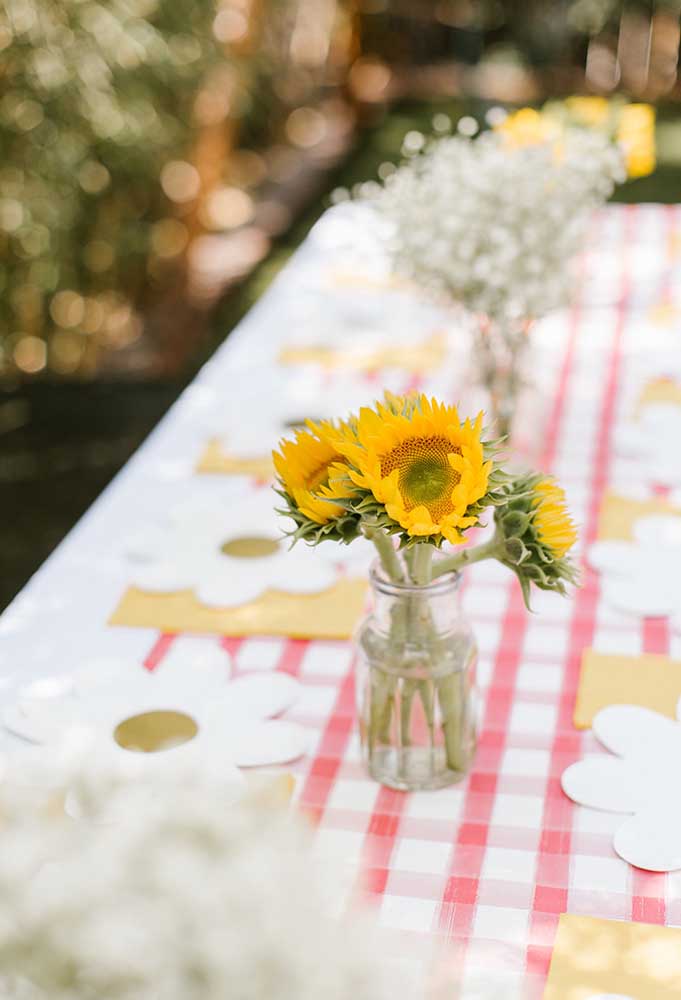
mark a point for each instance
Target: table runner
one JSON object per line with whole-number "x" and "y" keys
{"x": 487, "y": 866}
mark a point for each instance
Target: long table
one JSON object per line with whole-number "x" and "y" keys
{"x": 484, "y": 869}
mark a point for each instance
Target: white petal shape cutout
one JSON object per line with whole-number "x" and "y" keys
{"x": 203, "y": 660}
{"x": 658, "y": 530}
{"x": 268, "y": 743}
{"x": 641, "y": 781}
{"x": 613, "y": 557}
{"x": 652, "y": 839}
{"x": 161, "y": 578}
{"x": 147, "y": 545}
{"x": 320, "y": 577}
{"x": 260, "y": 696}
{"x": 102, "y": 672}
{"x": 631, "y": 440}
{"x": 301, "y": 570}
{"x": 228, "y": 588}
{"x": 600, "y": 783}
{"x": 48, "y": 687}
{"x": 634, "y": 729}
{"x": 42, "y": 721}
{"x": 642, "y": 595}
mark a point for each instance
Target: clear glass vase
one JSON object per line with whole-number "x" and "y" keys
{"x": 502, "y": 362}
{"x": 416, "y": 684}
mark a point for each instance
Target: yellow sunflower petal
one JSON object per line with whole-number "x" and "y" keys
{"x": 553, "y": 524}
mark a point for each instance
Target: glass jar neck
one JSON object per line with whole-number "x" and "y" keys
{"x": 437, "y": 603}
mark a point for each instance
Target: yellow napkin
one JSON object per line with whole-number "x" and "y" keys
{"x": 663, "y": 314}
{"x": 331, "y": 614}
{"x": 426, "y": 356}
{"x": 215, "y": 460}
{"x": 618, "y": 514}
{"x": 650, "y": 680}
{"x": 659, "y": 390}
{"x": 593, "y": 956}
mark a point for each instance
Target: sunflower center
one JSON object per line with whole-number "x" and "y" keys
{"x": 154, "y": 732}
{"x": 425, "y": 475}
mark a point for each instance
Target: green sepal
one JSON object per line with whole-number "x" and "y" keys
{"x": 515, "y": 522}
{"x": 515, "y": 551}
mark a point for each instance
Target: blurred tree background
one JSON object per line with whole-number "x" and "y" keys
{"x": 161, "y": 158}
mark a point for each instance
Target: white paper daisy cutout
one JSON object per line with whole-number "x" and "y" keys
{"x": 231, "y": 554}
{"x": 643, "y": 577}
{"x": 187, "y": 707}
{"x": 639, "y": 779}
{"x": 654, "y": 441}
{"x": 292, "y": 397}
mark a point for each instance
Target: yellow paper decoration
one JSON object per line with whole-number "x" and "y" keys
{"x": 618, "y": 514}
{"x": 593, "y": 956}
{"x": 330, "y": 614}
{"x": 659, "y": 390}
{"x": 215, "y": 460}
{"x": 418, "y": 358}
{"x": 663, "y": 314}
{"x": 650, "y": 680}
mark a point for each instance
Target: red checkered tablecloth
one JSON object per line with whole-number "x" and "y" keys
{"x": 481, "y": 870}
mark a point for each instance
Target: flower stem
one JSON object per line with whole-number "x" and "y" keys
{"x": 383, "y": 690}
{"x": 486, "y": 550}
{"x": 422, "y": 563}
{"x": 386, "y": 552}
{"x": 452, "y": 706}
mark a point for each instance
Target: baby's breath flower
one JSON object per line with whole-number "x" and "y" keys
{"x": 168, "y": 889}
{"x": 493, "y": 223}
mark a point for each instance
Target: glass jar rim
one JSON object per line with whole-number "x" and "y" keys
{"x": 447, "y": 583}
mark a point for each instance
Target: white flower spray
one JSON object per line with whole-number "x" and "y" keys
{"x": 169, "y": 892}
{"x": 494, "y": 227}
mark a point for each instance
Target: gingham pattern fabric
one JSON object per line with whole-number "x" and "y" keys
{"x": 482, "y": 870}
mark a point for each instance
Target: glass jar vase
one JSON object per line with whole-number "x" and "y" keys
{"x": 416, "y": 684}
{"x": 502, "y": 367}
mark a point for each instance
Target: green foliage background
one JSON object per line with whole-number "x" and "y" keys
{"x": 96, "y": 97}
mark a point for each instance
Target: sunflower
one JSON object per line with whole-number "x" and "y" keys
{"x": 535, "y": 534}
{"x": 312, "y": 472}
{"x": 415, "y": 459}
{"x": 552, "y": 522}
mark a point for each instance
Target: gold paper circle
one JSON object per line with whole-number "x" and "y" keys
{"x": 153, "y": 732}
{"x": 250, "y": 547}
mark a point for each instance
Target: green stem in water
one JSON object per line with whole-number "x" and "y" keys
{"x": 453, "y": 722}
{"x": 427, "y": 702}
{"x": 409, "y": 688}
{"x": 381, "y": 710}
{"x": 383, "y": 692}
